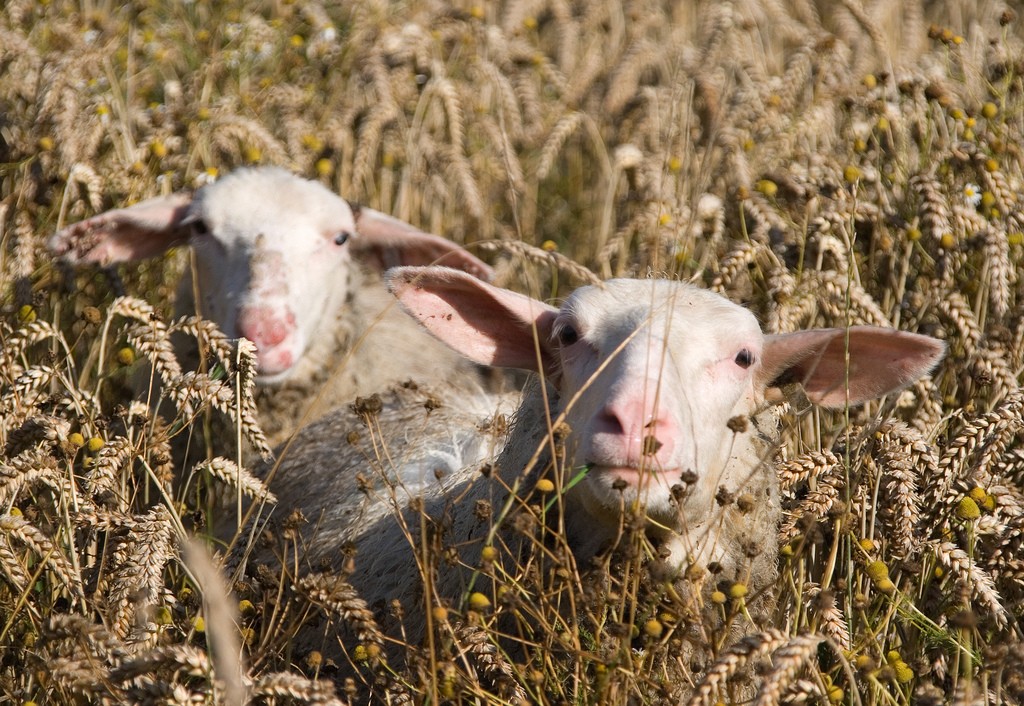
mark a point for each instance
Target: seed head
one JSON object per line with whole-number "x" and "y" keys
{"x": 767, "y": 187}
{"x": 738, "y": 590}
{"x": 877, "y": 571}
{"x": 967, "y": 509}
{"x": 479, "y": 602}
{"x": 654, "y": 628}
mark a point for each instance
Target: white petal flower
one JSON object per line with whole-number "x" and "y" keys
{"x": 972, "y": 194}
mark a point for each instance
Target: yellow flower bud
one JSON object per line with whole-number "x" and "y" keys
{"x": 26, "y": 314}
{"x": 967, "y": 509}
{"x": 479, "y": 602}
{"x": 737, "y": 590}
{"x": 767, "y": 187}
{"x": 653, "y": 628}
{"x": 324, "y": 167}
{"x": 877, "y": 571}
{"x": 162, "y": 615}
{"x": 903, "y": 672}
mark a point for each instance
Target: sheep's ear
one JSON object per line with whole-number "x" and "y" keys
{"x": 134, "y": 233}
{"x": 383, "y": 241}
{"x": 488, "y": 325}
{"x": 880, "y": 361}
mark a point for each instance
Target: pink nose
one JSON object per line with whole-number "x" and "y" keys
{"x": 265, "y": 326}
{"x": 635, "y": 433}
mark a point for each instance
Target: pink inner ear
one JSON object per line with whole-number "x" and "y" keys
{"x": 126, "y": 234}
{"x": 880, "y": 361}
{"x": 488, "y": 325}
{"x": 386, "y": 242}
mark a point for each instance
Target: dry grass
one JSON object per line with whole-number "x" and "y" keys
{"x": 854, "y": 166}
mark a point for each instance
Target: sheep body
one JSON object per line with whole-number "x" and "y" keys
{"x": 654, "y": 395}
{"x": 278, "y": 259}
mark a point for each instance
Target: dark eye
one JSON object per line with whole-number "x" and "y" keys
{"x": 342, "y": 237}
{"x": 744, "y": 358}
{"x": 567, "y": 335}
{"x": 199, "y": 227}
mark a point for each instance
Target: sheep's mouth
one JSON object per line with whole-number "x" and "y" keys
{"x": 637, "y": 476}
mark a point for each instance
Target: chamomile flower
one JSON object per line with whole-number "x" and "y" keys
{"x": 972, "y": 194}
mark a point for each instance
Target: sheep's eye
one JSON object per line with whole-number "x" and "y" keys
{"x": 342, "y": 237}
{"x": 199, "y": 227}
{"x": 744, "y": 358}
{"x": 567, "y": 335}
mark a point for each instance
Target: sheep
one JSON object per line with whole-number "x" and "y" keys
{"x": 658, "y": 389}
{"x": 273, "y": 261}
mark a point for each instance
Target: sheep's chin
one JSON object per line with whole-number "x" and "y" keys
{"x": 604, "y": 494}
{"x": 274, "y": 365}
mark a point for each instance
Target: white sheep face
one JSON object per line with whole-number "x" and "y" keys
{"x": 651, "y": 373}
{"x": 270, "y": 279}
{"x": 272, "y": 255}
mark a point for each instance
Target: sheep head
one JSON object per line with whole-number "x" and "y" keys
{"x": 272, "y": 254}
{"x": 656, "y": 378}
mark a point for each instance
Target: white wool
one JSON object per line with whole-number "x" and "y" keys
{"x": 286, "y": 263}
{"x": 657, "y": 390}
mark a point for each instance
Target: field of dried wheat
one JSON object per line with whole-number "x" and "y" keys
{"x": 821, "y": 163}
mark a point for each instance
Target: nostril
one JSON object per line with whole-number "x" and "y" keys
{"x": 608, "y": 422}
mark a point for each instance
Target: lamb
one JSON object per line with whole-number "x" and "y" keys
{"x": 274, "y": 260}
{"x": 657, "y": 388}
